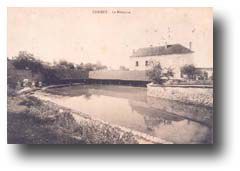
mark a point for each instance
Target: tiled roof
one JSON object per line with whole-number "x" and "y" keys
{"x": 161, "y": 50}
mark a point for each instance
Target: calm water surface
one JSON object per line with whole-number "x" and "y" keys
{"x": 132, "y": 108}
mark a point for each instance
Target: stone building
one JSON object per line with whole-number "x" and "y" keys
{"x": 171, "y": 55}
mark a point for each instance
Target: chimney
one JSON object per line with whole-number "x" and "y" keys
{"x": 165, "y": 45}
{"x": 190, "y": 45}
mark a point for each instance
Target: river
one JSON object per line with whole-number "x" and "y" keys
{"x": 131, "y": 107}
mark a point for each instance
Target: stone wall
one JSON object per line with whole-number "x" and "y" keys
{"x": 199, "y": 95}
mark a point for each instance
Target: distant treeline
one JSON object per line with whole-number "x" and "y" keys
{"x": 27, "y": 66}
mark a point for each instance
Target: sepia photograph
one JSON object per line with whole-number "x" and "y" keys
{"x": 86, "y": 75}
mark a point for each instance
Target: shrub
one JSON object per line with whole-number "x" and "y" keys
{"x": 158, "y": 74}
{"x": 11, "y": 91}
{"x": 188, "y": 70}
{"x": 31, "y": 101}
{"x": 27, "y": 61}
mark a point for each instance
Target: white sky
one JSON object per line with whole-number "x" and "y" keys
{"x": 78, "y": 35}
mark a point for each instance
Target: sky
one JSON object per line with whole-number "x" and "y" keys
{"x": 85, "y": 35}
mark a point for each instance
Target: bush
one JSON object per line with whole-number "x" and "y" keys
{"x": 11, "y": 91}
{"x": 31, "y": 101}
{"x": 26, "y": 65}
{"x": 159, "y": 75}
{"x": 188, "y": 70}
{"x": 27, "y": 61}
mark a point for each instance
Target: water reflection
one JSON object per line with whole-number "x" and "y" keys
{"x": 132, "y": 108}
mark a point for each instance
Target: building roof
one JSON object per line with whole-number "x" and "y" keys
{"x": 161, "y": 50}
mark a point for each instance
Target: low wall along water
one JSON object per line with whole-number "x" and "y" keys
{"x": 199, "y": 95}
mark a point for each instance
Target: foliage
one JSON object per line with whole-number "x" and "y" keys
{"x": 199, "y": 74}
{"x": 189, "y": 70}
{"x": 123, "y": 68}
{"x": 93, "y": 67}
{"x": 11, "y": 75}
{"x": 99, "y": 66}
{"x": 158, "y": 74}
{"x": 50, "y": 75}
{"x": 63, "y": 64}
{"x": 11, "y": 90}
{"x": 31, "y": 101}
{"x": 27, "y": 61}
{"x": 168, "y": 73}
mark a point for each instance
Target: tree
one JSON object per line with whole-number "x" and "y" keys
{"x": 168, "y": 73}
{"x": 123, "y": 68}
{"x": 27, "y": 61}
{"x": 158, "y": 74}
{"x": 50, "y": 75}
{"x": 65, "y": 65}
{"x": 188, "y": 70}
{"x": 205, "y": 75}
{"x": 89, "y": 67}
{"x": 12, "y": 77}
{"x": 79, "y": 67}
{"x": 93, "y": 67}
{"x": 99, "y": 66}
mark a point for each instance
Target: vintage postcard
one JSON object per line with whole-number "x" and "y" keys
{"x": 109, "y": 75}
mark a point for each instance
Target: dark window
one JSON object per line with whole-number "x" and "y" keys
{"x": 137, "y": 63}
{"x": 146, "y": 63}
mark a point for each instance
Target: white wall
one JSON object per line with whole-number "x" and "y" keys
{"x": 173, "y": 61}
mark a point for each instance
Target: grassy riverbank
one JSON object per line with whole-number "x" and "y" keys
{"x": 31, "y": 121}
